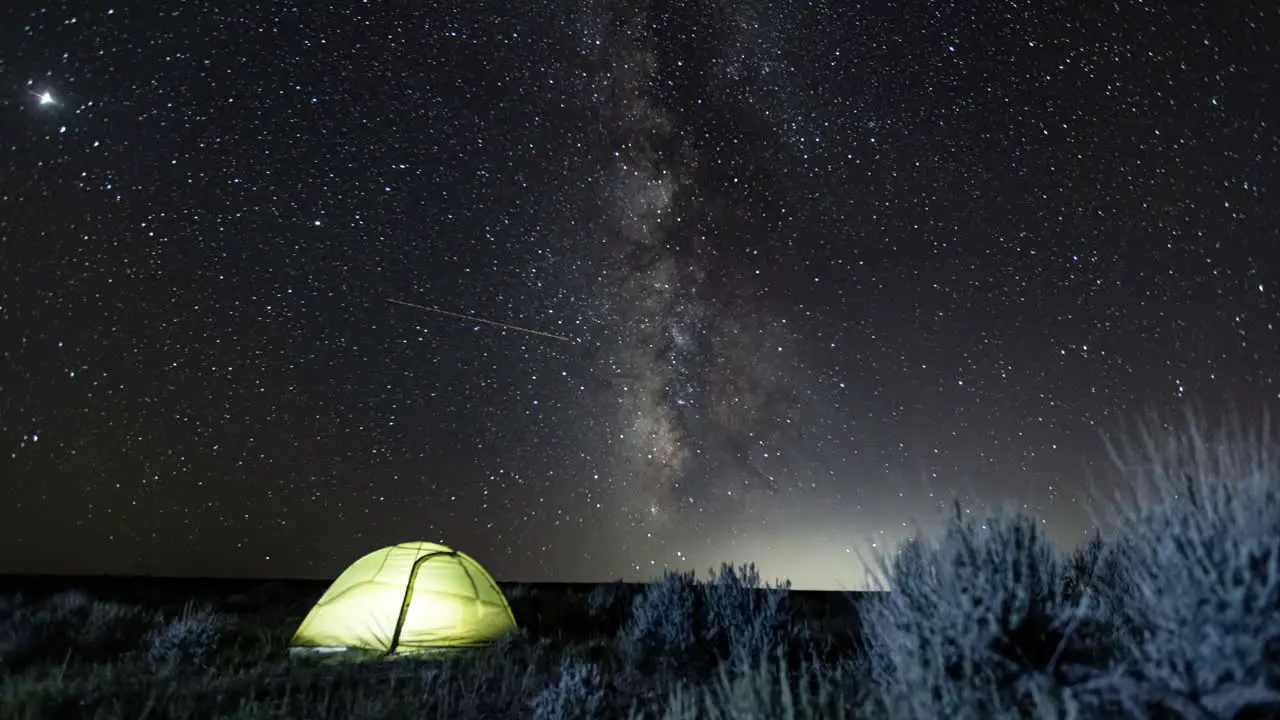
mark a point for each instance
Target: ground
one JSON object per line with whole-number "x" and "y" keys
{"x": 131, "y": 647}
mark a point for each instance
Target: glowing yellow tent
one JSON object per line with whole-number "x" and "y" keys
{"x": 406, "y": 598}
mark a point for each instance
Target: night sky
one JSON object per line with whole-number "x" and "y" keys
{"x": 814, "y": 268}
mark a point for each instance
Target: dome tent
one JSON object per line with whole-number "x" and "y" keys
{"x": 407, "y": 598}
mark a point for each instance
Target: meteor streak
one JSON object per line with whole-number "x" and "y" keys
{"x": 480, "y": 319}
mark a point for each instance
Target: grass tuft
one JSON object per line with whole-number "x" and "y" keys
{"x": 185, "y": 642}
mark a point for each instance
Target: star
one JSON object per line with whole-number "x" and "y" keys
{"x": 46, "y": 98}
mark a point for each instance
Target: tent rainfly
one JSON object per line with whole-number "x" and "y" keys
{"x": 407, "y": 598}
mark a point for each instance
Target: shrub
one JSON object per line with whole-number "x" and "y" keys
{"x": 484, "y": 684}
{"x": 605, "y": 598}
{"x": 1092, "y": 574}
{"x": 23, "y": 634}
{"x": 745, "y": 619}
{"x": 577, "y": 692}
{"x": 729, "y": 618}
{"x": 68, "y": 626}
{"x": 768, "y": 688}
{"x": 976, "y": 625}
{"x": 187, "y": 641}
{"x": 1082, "y": 567}
{"x": 661, "y": 630}
{"x": 1200, "y": 570}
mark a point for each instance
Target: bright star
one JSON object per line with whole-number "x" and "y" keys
{"x": 46, "y": 98}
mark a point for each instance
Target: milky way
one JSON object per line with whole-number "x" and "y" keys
{"x": 694, "y": 397}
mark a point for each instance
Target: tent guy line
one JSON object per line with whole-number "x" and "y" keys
{"x": 480, "y": 319}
